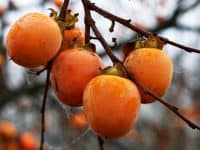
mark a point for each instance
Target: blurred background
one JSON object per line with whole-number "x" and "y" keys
{"x": 157, "y": 128}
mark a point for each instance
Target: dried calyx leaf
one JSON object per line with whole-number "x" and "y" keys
{"x": 152, "y": 41}
{"x": 69, "y": 22}
{"x": 89, "y": 47}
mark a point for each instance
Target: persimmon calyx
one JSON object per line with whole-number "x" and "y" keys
{"x": 111, "y": 70}
{"x": 152, "y": 41}
{"x": 68, "y": 23}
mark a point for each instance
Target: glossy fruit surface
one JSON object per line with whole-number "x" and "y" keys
{"x": 153, "y": 68}
{"x": 111, "y": 105}
{"x": 71, "y": 71}
{"x": 33, "y": 40}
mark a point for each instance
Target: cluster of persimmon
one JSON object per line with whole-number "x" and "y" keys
{"x": 11, "y": 139}
{"x": 111, "y": 102}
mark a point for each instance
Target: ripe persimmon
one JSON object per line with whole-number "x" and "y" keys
{"x": 78, "y": 120}
{"x": 58, "y": 3}
{"x": 2, "y": 10}
{"x": 1, "y": 61}
{"x": 72, "y": 34}
{"x": 71, "y": 71}
{"x": 33, "y": 40}
{"x": 153, "y": 68}
{"x": 28, "y": 141}
{"x": 7, "y": 129}
{"x": 111, "y": 105}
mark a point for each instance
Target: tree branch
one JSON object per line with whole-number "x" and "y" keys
{"x": 127, "y": 23}
{"x": 43, "y": 107}
{"x": 101, "y": 142}
{"x": 63, "y": 10}
{"x": 48, "y": 67}
{"x": 88, "y": 7}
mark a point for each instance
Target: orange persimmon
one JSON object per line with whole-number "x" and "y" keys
{"x": 7, "y": 129}
{"x": 78, "y": 120}
{"x": 1, "y": 61}
{"x": 2, "y": 10}
{"x": 153, "y": 68}
{"x": 111, "y": 105}
{"x": 72, "y": 34}
{"x": 28, "y": 141}
{"x": 33, "y": 40}
{"x": 58, "y": 3}
{"x": 71, "y": 71}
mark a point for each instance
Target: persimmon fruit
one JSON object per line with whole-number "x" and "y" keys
{"x": 71, "y": 71}
{"x": 2, "y": 10}
{"x": 33, "y": 40}
{"x": 7, "y": 129}
{"x": 58, "y": 3}
{"x": 71, "y": 35}
{"x": 111, "y": 105}
{"x": 153, "y": 68}
{"x": 1, "y": 61}
{"x": 28, "y": 141}
{"x": 78, "y": 120}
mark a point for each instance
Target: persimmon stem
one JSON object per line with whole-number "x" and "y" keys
{"x": 128, "y": 24}
{"x": 87, "y": 25}
{"x": 63, "y": 10}
{"x": 88, "y": 6}
{"x": 43, "y": 107}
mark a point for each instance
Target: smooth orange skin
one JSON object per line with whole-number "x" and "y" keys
{"x": 78, "y": 120}
{"x": 71, "y": 71}
{"x": 70, "y": 35}
{"x": 7, "y": 130}
{"x": 28, "y": 141}
{"x": 153, "y": 68}
{"x": 33, "y": 40}
{"x": 58, "y": 3}
{"x": 111, "y": 105}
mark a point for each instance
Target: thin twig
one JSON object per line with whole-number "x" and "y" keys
{"x": 127, "y": 23}
{"x": 97, "y": 33}
{"x": 101, "y": 142}
{"x": 48, "y": 68}
{"x": 168, "y": 105}
{"x": 87, "y": 26}
{"x": 63, "y": 10}
{"x": 43, "y": 107}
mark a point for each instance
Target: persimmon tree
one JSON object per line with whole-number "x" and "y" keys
{"x": 134, "y": 76}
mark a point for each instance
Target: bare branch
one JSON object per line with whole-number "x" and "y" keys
{"x": 89, "y": 6}
{"x": 136, "y": 29}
